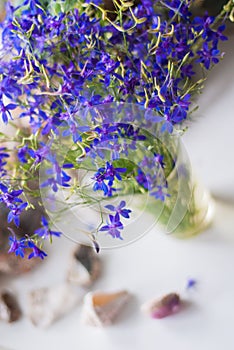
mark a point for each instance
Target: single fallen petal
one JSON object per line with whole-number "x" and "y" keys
{"x": 101, "y": 309}
{"x": 9, "y": 308}
{"x": 85, "y": 266}
{"x": 191, "y": 283}
{"x": 160, "y": 308}
{"x": 47, "y": 305}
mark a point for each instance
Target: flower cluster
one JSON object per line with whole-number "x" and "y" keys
{"x": 57, "y": 59}
{"x": 13, "y": 202}
{"x": 18, "y": 246}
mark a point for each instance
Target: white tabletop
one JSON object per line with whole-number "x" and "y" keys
{"x": 158, "y": 264}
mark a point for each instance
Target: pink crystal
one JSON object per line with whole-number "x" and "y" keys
{"x": 166, "y": 306}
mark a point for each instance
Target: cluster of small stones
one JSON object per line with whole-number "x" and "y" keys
{"x": 100, "y": 308}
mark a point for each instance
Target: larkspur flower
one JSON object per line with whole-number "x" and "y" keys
{"x": 15, "y": 212}
{"x": 36, "y": 252}
{"x": 17, "y": 246}
{"x": 129, "y": 131}
{"x": 106, "y": 132}
{"x": 58, "y": 176}
{"x": 24, "y": 152}
{"x": 160, "y": 193}
{"x": 113, "y": 227}
{"x": 41, "y": 153}
{"x": 9, "y": 197}
{"x": 152, "y": 162}
{"x": 142, "y": 179}
{"x": 208, "y": 55}
{"x": 105, "y": 177}
{"x": 5, "y": 111}
{"x": 45, "y": 231}
{"x": 113, "y": 172}
{"x": 34, "y": 7}
{"x": 100, "y": 184}
{"x": 159, "y": 159}
{"x": 120, "y": 209}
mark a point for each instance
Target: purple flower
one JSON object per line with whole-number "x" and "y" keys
{"x": 13, "y": 202}
{"x": 159, "y": 159}
{"x": 187, "y": 71}
{"x": 41, "y": 153}
{"x": 23, "y": 152}
{"x": 9, "y": 198}
{"x": 36, "y": 252}
{"x": 204, "y": 24}
{"x": 130, "y": 83}
{"x": 108, "y": 67}
{"x": 112, "y": 172}
{"x": 94, "y": 100}
{"x": 59, "y": 176}
{"x": 17, "y": 246}
{"x": 120, "y": 209}
{"x": 208, "y": 55}
{"x": 113, "y": 226}
{"x": 100, "y": 177}
{"x": 105, "y": 132}
{"x": 34, "y": 7}
{"x": 105, "y": 177}
{"x": 74, "y": 130}
{"x": 160, "y": 193}
{"x": 128, "y": 130}
{"x": 152, "y": 162}
{"x": 5, "y": 111}
{"x": 142, "y": 179}
{"x": 45, "y": 231}
{"x": 181, "y": 106}
{"x": 14, "y": 214}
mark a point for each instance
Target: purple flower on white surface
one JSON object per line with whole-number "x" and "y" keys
{"x": 120, "y": 209}
{"x": 113, "y": 227}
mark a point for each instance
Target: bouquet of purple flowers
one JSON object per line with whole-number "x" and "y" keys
{"x": 89, "y": 85}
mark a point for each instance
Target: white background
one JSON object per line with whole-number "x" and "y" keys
{"x": 158, "y": 264}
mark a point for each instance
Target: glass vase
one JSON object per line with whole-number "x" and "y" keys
{"x": 189, "y": 208}
{"x": 153, "y": 158}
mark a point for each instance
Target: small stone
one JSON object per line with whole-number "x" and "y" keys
{"x": 9, "y": 308}
{"x": 160, "y": 308}
{"x": 85, "y": 266}
{"x": 101, "y": 309}
{"x": 47, "y": 305}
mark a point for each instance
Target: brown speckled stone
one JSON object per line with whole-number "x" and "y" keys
{"x": 12, "y": 265}
{"x": 9, "y": 308}
{"x": 85, "y": 266}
